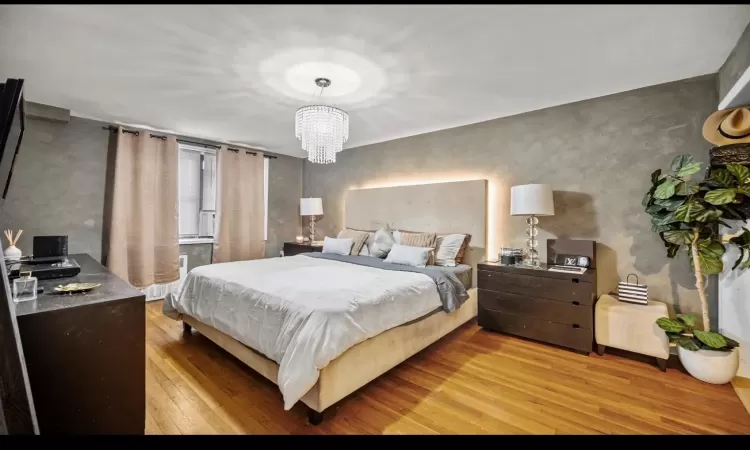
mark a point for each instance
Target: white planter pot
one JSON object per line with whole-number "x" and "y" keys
{"x": 709, "y": 365}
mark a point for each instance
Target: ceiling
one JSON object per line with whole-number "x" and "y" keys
{"x": 238, "y": 72}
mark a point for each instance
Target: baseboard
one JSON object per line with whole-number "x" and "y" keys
{"x": 741, "y": 386}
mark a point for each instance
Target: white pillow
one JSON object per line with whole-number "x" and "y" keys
{"x": 409, "y": 256}
{"x": 448, "y": 246}
{"x": 337, "y": 246}
{"x": 366, "y": 247}
{"x": 396, "y": 236}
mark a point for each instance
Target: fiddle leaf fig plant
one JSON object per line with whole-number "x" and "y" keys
{"x": 681, "y": 332}
{"x": 687, "y": 215}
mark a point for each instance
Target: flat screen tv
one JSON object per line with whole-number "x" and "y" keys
{"x": 12, "y": 126}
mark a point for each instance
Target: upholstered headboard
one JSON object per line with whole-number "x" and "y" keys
{"x": 455, "y": 207}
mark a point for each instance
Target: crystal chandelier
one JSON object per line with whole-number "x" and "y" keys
{"x": 322, "y": 129}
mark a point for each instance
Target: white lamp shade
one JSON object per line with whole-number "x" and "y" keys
{"x": 531, "y": 199}
{"x": 310, "y": 207}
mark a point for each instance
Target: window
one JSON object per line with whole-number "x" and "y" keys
{"x": 198, "y": 192}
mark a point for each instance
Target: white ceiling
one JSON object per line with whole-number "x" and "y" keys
{"x": 237, "y": 72}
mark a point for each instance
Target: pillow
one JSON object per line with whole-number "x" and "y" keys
{"x": 409, "y": 256}
{"x": 337, "y": 246}
{"x": 420, "y": 240}
{"x": 447, "y": 247}
{"x": 396, "y": 236}
{"x": 358, "y": 238}
{"x": 462, "y": 251}
{"x": 382, "y": 242}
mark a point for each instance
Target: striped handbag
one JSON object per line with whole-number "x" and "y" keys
{"x": 632, "y": 293}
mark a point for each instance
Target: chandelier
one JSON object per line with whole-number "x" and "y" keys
{"x": 322, "y": 129}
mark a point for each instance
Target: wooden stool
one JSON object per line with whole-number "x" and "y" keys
{"x": 631, "y": 327}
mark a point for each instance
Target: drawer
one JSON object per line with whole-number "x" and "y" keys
{"x": 556, "y": 311}
{"x": 541, "y": 330}
{"x": 540, "y": 287}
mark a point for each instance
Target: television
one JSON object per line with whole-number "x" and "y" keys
{"x": 12, "y": 126}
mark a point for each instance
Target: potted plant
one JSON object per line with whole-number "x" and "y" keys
{"x": 687, "y": 214}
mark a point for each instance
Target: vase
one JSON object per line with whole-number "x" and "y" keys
{"x": 710, "y": 366}
{"x": 12, "y": 253}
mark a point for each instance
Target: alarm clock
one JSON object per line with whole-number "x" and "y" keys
{"x": 575, "y": 261}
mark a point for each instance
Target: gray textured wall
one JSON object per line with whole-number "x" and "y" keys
{"x": 735, "y": 65}
{"x": 58, "y": 184}
{"x": 597, "y": 155}
{"x": 58, "y": 187}
{"x": 198, "y": 254}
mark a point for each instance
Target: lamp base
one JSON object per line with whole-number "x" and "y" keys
{"x": 531, "y": 258}
{"x": 312, "y": 229}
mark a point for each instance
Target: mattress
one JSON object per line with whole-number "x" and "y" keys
{"x": 461, "y": 271}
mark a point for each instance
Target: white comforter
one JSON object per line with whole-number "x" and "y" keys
{"x": 302, "y": 312}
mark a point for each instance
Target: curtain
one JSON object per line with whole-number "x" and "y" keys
{"x": 240, "y": 206}
{"x": 143, "y": 223}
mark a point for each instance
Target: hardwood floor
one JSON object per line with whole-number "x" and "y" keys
{"x": 471, "y": 381}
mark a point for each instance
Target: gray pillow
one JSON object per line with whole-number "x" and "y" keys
{"x": 382, "y": 243}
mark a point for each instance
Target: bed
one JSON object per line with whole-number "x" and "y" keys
{"x": 345, "y": 320}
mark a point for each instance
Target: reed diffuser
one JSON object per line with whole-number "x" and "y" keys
{"x": 12, "y": 253}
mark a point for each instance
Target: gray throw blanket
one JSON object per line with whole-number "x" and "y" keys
{"x": 452, "y": 292}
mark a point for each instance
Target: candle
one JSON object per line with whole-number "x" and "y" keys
{"x": 299, "y": 239}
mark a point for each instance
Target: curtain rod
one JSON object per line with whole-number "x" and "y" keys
{"x": 184, "y": 141}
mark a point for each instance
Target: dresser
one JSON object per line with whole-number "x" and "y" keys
{"x": 86, "y": 354}
{"x": 292, "y": 248}
{"x": 552, "y": 307}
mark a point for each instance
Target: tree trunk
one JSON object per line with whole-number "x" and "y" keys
{"x": 699, "y": 281}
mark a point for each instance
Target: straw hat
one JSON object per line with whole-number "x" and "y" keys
{"x": 728, "y": 126}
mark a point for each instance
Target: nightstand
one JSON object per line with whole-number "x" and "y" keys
{"x": 552, "y": 307}
{"x": 293, "y": 248}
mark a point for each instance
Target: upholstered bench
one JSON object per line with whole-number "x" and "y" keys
{"x": 631, "y": 327}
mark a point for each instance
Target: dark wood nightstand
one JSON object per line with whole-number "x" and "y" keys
{"x": 293, "y": 248}
{"x": 553, "y": 307}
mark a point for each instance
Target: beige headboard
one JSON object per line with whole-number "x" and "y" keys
{"x": 455, "y": 207}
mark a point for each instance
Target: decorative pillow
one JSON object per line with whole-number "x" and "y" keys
{"x": 337, "y": 246}
{"x": 359, "y": 238}
{"x": 462, "y": 251}
{"x": 409, "y": 256}
{"x": 382, "y": 243}
{"x": 420, "y": 240}
{"x": 447, "y": 248}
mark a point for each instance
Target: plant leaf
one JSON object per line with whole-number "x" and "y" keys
{"x": 655, "y": 177}
{"x": 709, "y": 260}
{"x": 686, "y": 188}
{"x": 688, "y": 343}
{"x": 741, "y": 257}
{"x": 666, "y": 219}
{"x": 653, "y": 209}
{"x": 731, "y": 342}
{"x": 647, "y": 198}
{"x": 688, "y": 169}
{"x": 671, "y": 204}
{"x": 740, "y": 172}
{"x": 670, "y": 325}
{"x": 713, "y": 247}
{"x": 688, "y": 211}
{"x": 709, "y": 215}
{"x": 680, "y": 237}
{"x": 713, "y": 340}
{"x": 672, "y": 250}
{"x": 720, "y": 196}
{"x": 665, "y": 190}
{"x": 723, "y": 177}
{"x": 744, "y": 191}
{"x": 688, "y": 319}
{"x": 684, "y": 163}
{"x": 661, "y": 228}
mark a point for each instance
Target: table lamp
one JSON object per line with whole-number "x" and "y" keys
{"x": 531, "y": 200}
{"x": 311, "y": 207}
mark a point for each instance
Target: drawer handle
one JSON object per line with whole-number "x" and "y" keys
{"x": 575, "y": 280}
{"x": 575, "y": 325}
{"x": 576, "y": 303}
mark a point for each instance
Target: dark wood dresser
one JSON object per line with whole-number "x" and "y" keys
{"x": 86, "y": 354}
{"x": 552, "y": 307}
{"x": 292, "y": 248}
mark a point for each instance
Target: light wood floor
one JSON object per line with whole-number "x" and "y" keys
{"x": 471, "y": 381}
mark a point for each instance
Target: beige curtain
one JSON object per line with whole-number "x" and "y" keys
{"x": 240, "y": 210}
{"x": 144, "y": 234}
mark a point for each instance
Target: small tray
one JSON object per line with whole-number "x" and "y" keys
{"x": 75, "y": 288}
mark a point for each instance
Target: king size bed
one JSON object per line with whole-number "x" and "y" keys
{"x": 322, "y": 325}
